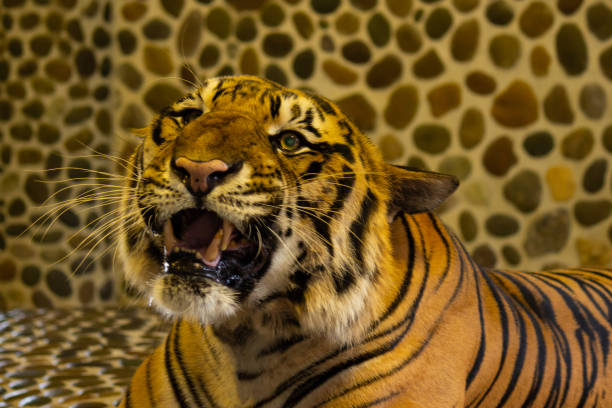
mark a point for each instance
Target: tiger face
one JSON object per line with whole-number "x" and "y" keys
{"x": 246, "y": 198}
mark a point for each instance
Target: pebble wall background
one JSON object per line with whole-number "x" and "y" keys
{"x": 513, "y": 97}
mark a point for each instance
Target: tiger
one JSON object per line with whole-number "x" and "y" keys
{"x": 301, "y": 270}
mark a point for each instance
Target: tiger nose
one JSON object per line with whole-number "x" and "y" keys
{"x": 200, "y": 177}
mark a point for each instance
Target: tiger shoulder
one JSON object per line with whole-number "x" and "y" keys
{"x": 303, "y": 271}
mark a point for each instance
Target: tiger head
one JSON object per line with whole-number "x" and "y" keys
{"x": 246, "y": 198}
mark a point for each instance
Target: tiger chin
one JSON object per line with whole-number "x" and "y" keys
{"x": 303, "y": 270}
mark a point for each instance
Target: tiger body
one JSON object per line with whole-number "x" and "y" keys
{"x": 325, "y": 280}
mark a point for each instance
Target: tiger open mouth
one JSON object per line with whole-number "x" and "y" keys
{"x": 200, "y": 243}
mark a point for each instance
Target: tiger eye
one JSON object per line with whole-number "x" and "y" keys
{"x": 289, "y": 141}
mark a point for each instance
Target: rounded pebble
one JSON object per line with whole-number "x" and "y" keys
{"x": 428, "y": 66}
{"x": 471, "y": 128}
{"x": 400, "y": 8}
{"x": 359, "y": 110}
{"x": 431, "y": 138}
{"x": 548, "y": 233}
{"x": 408, "y": 38}
{"x": 347, "y": 23}
{"x": 480, "y": 83}
{"x": 605, "y": 62}
{"x": 303, "y": 25}
{"x": 465, "y": 40}
{"x": 158, "y": 60}
{"x": 324, "y": 6}
{"x": 511, "y": 255}
{"x": 384, "y": 72}
{"x": 246, "y": 29}
{"x": 591, "y": 212}
{"x": 218, "y": 22}
{"x": 593, "y": 100}
{"x": 499, "y": 156}
{"x": 561, "y": 183}
{"x": 599, "y": 20}
{"x": 516, "y": 106}
{"x": 390, "y": 147}
{"x": 571, "y": 49}
{"x": 501, "y": 225}
{"x": 277, "y": 44}
{"x": 339, "y": 73}
{"x": 536, "y": 19}
{"x": 58, "y": 283}
{"x": 500, "y": 12}
{"x": 505, "y": 50}
{"x": 356, "y": 52}
{"x": 402, "y": 106}
{"x": 444, "y": 98}
{"x": 458, "y": 166}
{"x": 578, "y": 143}
{"x": 484, "y": 256}
{"x": 468, "y": 226}
{"x": 538, "y": 144}
{"x": 438, "y": 22}
{"x": 594, "y": 176}
{"x": 156, "y": 29}
{"x": 379, "y": 29}
{"x": 249, "y": 64}
{"x": 557, "y": 106}
{"x": 524, "y": 190}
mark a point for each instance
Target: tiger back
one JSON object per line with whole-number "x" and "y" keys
{"x": 304, "y": 271}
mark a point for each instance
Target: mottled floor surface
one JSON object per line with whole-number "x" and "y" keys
{"x": 73, "y": 358}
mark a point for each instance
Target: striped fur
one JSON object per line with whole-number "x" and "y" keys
{"x": 365, "y": 300}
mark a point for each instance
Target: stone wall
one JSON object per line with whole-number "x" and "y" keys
{"x": 513, "y": 97}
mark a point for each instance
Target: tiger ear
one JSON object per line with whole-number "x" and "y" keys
{"x": 140, "y": 133}
{"x": 414, "y": 190}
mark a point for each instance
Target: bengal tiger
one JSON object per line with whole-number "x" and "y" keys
{"x": 304, "y": 271}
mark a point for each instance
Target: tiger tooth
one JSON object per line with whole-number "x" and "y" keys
{"x": 228, "y": 229}
{"x": 169, "y": 238}
{"x": 212, "y": 255}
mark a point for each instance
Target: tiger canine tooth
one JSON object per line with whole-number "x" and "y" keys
{"x": 228, "y": 229}
{"x": 169, "y": 238}
{"x": 212, "y": 255}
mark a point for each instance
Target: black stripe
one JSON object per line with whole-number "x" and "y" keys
{"x": 157, "y": 128}
{"x": 323, "y": 104}
{"x": 128, "y": 397}
{"x": 379, "y": 400}
{"x": 540, "y": 363}
{"x": 356, "y": 236}
{"x": 314, "y": 168}
{"x": 482, "y": 346}
{"x": 588, "y": 326}
{"x": 344, "y": 150}
{"x": 344, "y": 187}
{"x": 498, "y": 296}
{"x": 300, "y": 279}
{"x": 275, "y": 103}
{"x": 519, "y": 360}
{"x": 149, "y": 384}
{"x": 348, "y": 136}
{"x": 407, "y": 276}
{"x": 176, "y": 389}
{"x": 178, "y": 354}
{"x": 281, "y": 346}
{"x": 248, "y": 376}
{"x": 155, "y": 252}
{"x": 219, "y": 90}
{"x": 447, "y": 269}
{"x": 561, "y": 350}
{"x": 343, "y": 280}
